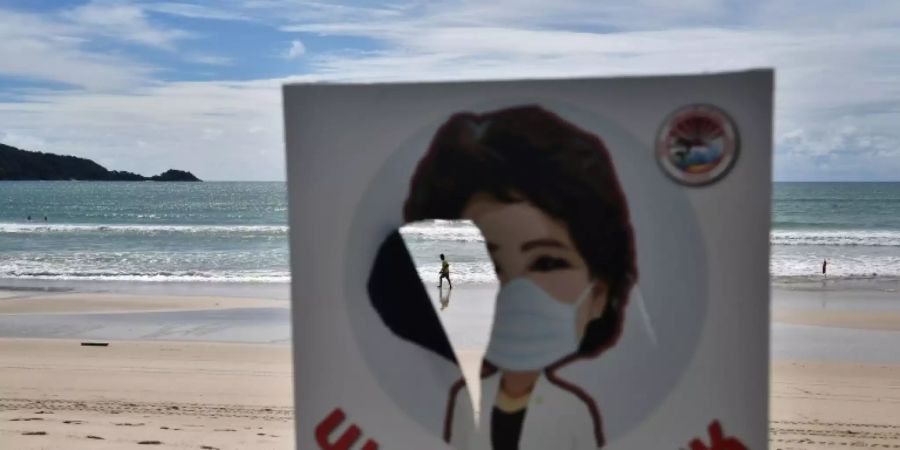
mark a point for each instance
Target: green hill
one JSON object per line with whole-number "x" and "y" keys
{"x": 17, "y": 164}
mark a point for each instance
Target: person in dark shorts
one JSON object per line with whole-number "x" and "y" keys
{"x": 445, "y": 272}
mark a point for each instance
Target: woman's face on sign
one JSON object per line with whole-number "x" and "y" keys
{"x": 524, "y": 242}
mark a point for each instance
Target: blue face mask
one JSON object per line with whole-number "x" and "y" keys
{"x": 532, "y": 330}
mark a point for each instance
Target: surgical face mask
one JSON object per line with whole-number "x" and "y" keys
{"x": 532, "y": 329}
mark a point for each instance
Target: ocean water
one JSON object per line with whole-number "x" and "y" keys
{"x": 237, "y": 232}
{"x": 855, "y": 226}
{"x": 144, "y": 231}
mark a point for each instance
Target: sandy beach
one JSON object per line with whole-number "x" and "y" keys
{"x": 59, "y": 394}
{"x": 162, "y": 380}
{"x": 214, "y": 372}
{"x": 818, "y": 405}
{"x": 835, "y": 372}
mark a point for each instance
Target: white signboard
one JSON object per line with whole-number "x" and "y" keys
{"x": 626, "y": 226}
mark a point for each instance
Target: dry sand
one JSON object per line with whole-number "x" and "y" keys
{"x": 818, "y": 405}
{"x": 59, "y": 394}
{"x": 867, "y": 320}
{"x": 830, "y": 405}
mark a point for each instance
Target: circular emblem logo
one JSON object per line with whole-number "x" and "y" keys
{"x": 697, "y": 145}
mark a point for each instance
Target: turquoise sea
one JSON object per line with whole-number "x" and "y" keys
{"x": 856, "y": 226}
{"x": 237, "y": 232}
{"x": 144, "y": 231}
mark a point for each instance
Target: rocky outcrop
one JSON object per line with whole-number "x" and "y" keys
{"x": 175, "y": 175}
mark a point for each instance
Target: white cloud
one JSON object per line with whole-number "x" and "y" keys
{"x": 212, "y": 60}
{"x": 124, "y": 21}
{"x": 835, "y": 65}
{"x": 217, "y": 130}
{"x": 837, "y": 99}
{"x": 296, "y": 50}
{"x": 38, "y": 49}
{"x": 61, "y": 46}
{"x": 279, "y": 11}
{"x": 194, "y": 11}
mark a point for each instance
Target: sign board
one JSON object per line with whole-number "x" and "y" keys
{"x": 627, "y": 220}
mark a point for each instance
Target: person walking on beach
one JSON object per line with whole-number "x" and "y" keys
{"x": 445, "y": 272}
{"x": 824, "y": 267}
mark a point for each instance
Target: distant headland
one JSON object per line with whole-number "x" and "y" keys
{"x": 17, "y": 164}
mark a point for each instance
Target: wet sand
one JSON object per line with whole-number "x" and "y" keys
{"x": 30, "y": 313}
{"x": 28, "y": 302}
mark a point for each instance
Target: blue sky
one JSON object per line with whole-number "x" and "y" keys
{"x": 145, "y": 86}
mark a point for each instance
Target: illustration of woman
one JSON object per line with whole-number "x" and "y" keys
{"x": 546, "y": 198}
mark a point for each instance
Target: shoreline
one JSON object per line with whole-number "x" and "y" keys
{"x": 268, "y": 290}
{"x": 281, "y": 289}
{"x": 21, "y": 303}
{"x": 886, "y": 283}
{"x": 75, "y": 309}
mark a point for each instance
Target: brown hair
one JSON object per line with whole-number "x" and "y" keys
{"x": 529, "y": 153}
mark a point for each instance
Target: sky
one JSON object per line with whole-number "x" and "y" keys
{"x": 145, "y": 86}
